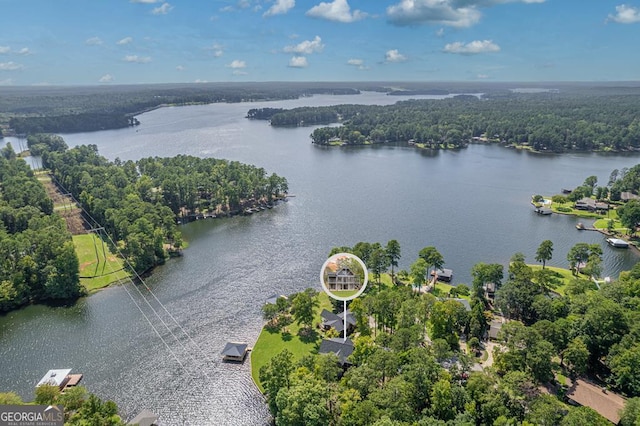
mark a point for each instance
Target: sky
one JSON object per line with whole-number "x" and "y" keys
{"x": 103, "y": 42}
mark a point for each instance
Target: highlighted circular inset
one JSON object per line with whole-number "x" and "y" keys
{"x": 344, "y": 276}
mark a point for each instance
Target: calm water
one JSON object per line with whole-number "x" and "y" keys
{"x": 473, "y": 205}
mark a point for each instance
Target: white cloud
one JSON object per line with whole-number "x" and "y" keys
{"x": 200, "y": 81}
{"x": 239, "y": 72}
{"x": 440, "y": 32}
{"x": 216, "y": 50}
{"x": 107, "y": 78}
{"x": 472, "y": 48}
{"x": 126, "y": 40}
{"x": 6, "y": 82}
{"x": 306, "y": 47}
{"x": 162, "y": 10}
{"x": 298, "y": 62}
{"x": 280, "y": 7}
{"x": 180, "y": 68}
{"x": 394, "y": 56}
{"x": 137, "y": 59}
{"x": 482, "y": 76}
{"x": 359, "y": 63}
{"x": 625, "y": 15}
{"x": 226, "y": 9}
{"x": 337, "y": 10}
{"x": 10, "y": 66}
{"x": 93, "y": 41}
{"x": 145, "y": 1}
{"x": 24, "y": 51}
{"x": 454, "y": 13}
{"x": 237, "y": 64}
{"x": 5, "y": 49}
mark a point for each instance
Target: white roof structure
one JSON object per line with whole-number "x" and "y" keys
{"x": 54, "y": 377}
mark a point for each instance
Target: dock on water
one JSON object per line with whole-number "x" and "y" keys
{"x": 62, "y": 378}
{"x": 235, "y": 352}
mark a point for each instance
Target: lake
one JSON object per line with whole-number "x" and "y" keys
{"x": 472, "y": 204}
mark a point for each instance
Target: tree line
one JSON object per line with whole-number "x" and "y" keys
{"x": 408, "y": 366}
{"x": 37, "y": 258}
{"x": 544, "y": 122}
{"x": 68, "y": 110}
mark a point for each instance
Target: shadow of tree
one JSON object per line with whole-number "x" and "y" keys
{"x": 308, "y": 335}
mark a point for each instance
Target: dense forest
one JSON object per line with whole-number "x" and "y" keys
{"x": 542, "y": 121}
{"x": 37, "y": 257}
{"x": 413, "y": 352}
{"x": 68, "y": 110}
{"x": 139, "y": 203}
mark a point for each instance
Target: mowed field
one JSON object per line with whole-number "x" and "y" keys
{"x": 98, "y": 266}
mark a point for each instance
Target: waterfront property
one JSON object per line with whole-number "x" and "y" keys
{"x": 234, "y": 352}
{"x": 342, "y": 348}
{"x": 591, "y": 205}
{"x": 337, "y": 322}
{"x": 445, "y": 275}
{"x": 62, "y": 378}
{"x": 343, "y": 279}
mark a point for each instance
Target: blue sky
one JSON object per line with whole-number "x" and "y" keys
{"x": 69, "y": 42}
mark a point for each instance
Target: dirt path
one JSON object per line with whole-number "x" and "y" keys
{"x": 65, "y": 207}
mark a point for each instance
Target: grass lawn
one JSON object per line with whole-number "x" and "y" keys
{"x": 95, "y": 273}
{"x": 344, "y": 293}
{"x": 564, "y": 274}
{"x": 270, "y": 344}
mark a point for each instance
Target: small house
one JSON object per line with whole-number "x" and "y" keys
{"x": 628, "y": 196}
{"x": 494, "y": 328}
{"x": 444, "y": 275}
{"x": 591, "y": 205}
{"x": 234, "y": 352}
{"x": 343, "y": 279}
{"x": 342, "y": 348}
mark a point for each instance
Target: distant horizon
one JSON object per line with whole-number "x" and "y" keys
{"x": 336, "y": 82}
{"x": 125, "y": 42}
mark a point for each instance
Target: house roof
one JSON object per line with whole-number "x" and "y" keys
{"x": 494, "y": 328}
{"x": 54, "y": 377}
{"x": 607, "y": 404}
{"x": 350, "y": 318}
{"x": 342, "y": 348}
{"x": 145, "y": 418}
{"x": 271, "y": 300}
{"x": 444, "y": 272}
{"x": 234, "y": 349}
{"x": 332, "y": 320}
{"x": 626, "y": 196}
{"x": 464, "y": 302}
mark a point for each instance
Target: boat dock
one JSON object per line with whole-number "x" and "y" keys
{"x": 62, "y": 378}
{"x": 617, "y": 243}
